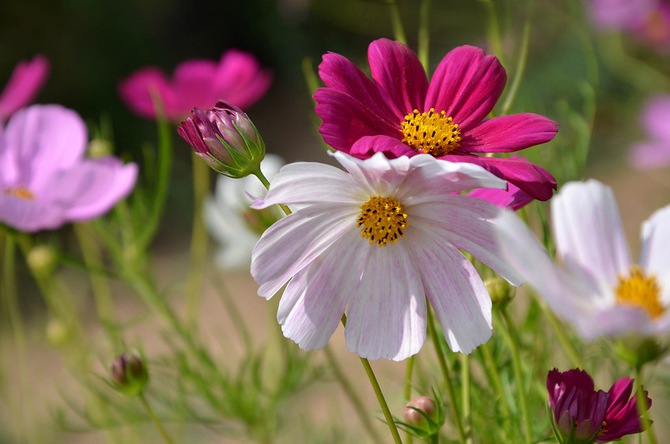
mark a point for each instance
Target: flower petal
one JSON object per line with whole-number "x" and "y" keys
{"x": 397, "y": 71}
{"x": 588, "y": 231}
{"x": 23, "y": 85}
{"x": 512, "y": 198}
{"x": 392, "y": 147}
{"x": 386, "y": 318}
{"x": 455, "y": 291}
{"x": 506, "y": 134}
{"x": 192, "y": 85}
{"x": 29, "y": 215}
{"x": 650, "y": 155}
{"x": 466, "y": 85}
{"x": 655, "y": 257}
{"x": 239, "y": 79}
{"x": 143, "y": 87}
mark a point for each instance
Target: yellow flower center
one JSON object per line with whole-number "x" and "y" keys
{"x": 641, "y": 291}
{"x": 431, "y": 132}
{"x": 20, "y": 192}
{"x": 382, "y": 220}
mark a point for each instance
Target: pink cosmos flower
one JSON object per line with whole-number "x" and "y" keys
{"x": 237, "y": 78}
{"x": 378, "y": 241}
{"x": 45, "y": 181}
{"x": 654, "y": 153}
{"x": 24, "y": 84}
{"x": 582, "y": 415}
{"x": 399, "y": 112}
{"x": 596, "y": 286}
{"x": 647, "y": 20}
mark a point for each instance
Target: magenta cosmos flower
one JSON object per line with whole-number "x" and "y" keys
{"x": 581, "y": 415}
{"x": 655, "y": 152}
{"x": 45, "y": 181}
{"x": 24, "y": 84}
{"x": 237, "y": 78}
{"x": 400, "y": 113}
{"x": 377, "y": 242}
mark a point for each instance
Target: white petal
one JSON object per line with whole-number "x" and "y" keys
{"x": 294, "y": 242}
{"x": 315, "y": 299}
{"x": 376, "y": 175}
{"x": 616, "y": 321}
{"x": 655, "y": 257}
{"x": 588, "y": 230}
{"x": 455, "y": 291}
{"x": 468, "y": 223}
{"x": 386, "y": 318}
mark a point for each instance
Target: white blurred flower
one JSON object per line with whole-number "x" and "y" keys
{"x": 232, "y": 222}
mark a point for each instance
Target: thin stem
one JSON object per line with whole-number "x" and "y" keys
{"x": 409, "y": 371}
{"x": 491, "y": 370}
{"x": 351, "y": 394}
{"x": 382, "y": 401}
{"x": 396, "y": 21}
{"x": 424, "y": 34}
{"x": 155, "y": 419}
{"x": 519, "y": 70}
{"x": 266, "y": 183}
{"x": 643, "y": 408}
{"x": 513, "y": 339}
{"x": 465, "y": 396}
{"x": 566, "y": 343}
{"x": 233, "y": 312}
{"x": 494, "y": 35}
{"x": 196, "y": 274}
{"x": 446, "y": 374}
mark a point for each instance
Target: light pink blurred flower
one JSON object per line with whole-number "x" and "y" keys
{"x": 655, "y": 118}
{"x": 45, "y": 181}
{"x": 596, "y": 287}
{"x": 647, "y": 20}
{"x": 23, "y": 85}
{"x": 237, "y": 78}
{"x": 379, "y": 241}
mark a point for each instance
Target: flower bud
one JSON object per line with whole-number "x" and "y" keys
{"x": 500, "y": 291}
{"x": 42, "y": 260}
{"x": 99, "y": 148}
{"x": 423, "y": 417}
{"x": 225, "y": 138}
{"x": 128, "y": 374}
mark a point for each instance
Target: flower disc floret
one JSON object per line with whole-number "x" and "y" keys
{"x": 641, "y": 291}
{"x": 382, "y": 220}
{"x": 431, "y": 132}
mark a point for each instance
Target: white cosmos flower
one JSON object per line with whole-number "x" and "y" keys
{"x": 232, "y": 222}
{"x": 377, "y": 241}
{"x": 596, "y": 287}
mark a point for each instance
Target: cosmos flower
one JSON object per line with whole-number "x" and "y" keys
{"x": 45, "y": 181}
{"x": 23, "y": 85}
{"x": 399, "y": 112}
{"x": 379, "y": 241}
{"x": 232, "y": 222}
{"x": 596, "y": 287}
{"x": 237, "y": 78}
{"x": 581, "y": 415}
{"x": 654, "y": 153}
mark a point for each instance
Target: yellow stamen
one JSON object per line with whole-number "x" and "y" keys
{"x": 20, "y": 192}
{"x": 431, "y": 132}
{"x": 641, "y": 291}
{"x": 382, "y": 220}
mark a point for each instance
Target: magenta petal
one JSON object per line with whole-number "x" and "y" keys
{"x": 139, "y": 90}
{"x": 466, "y": 85}
{"x": 239, "y": 79}
{"x": 23, "y": 85}
{"x": 367, "y": 146}
{"x": 509, "y": 133}
{"x": 650, "y": 155}
{"x": 530, "y": 178}
{"x": 192, "y": 85}
{"x": 29, "y": 215}
{"x": 513, "y": 197}
{"x": 399, "y": 74}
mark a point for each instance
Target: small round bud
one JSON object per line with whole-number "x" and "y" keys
{"x": 42, "y": 260}
{"x": 99, "y": 148}
{"x": 128, "y": 374}
{"x": 411, "y": 413}
{"x": 500, "y": 291}
{"x": 57, "y": 332}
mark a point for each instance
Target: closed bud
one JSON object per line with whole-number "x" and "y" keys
{"x": 422, "y": 417}
{"x": 225, "y": 138}
{"x": 42, "y": 260}
{"x": 500, "y": 291}
{"x": 129, "y": 374}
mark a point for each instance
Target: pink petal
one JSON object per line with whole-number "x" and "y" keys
{"x": 239, "y": 79}
{"x": 143, "y": 87}
{"x": 650, "y": 155}
{"x": 29, "y": 215}
{"x": 23, "y": 85}
{"x": 386, "y": 318}
{"x": 506, "y": 134}
{"x": 455, "y": 291}
{"x": 512, "y": 198}
{"x": 392, "y": 147}
{"x": 466, "y": 85}
{"x": 397, "y": 71}
{"x": 192, "y": 85}
{"x": 314, "y": 301}
{"x": 656, "y": 117}
{"x": 43, "y": 139}
{"x": 655, "y": 256}
{"x": 588, "y": 230}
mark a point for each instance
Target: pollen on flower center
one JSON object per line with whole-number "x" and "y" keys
{"x": 20, "y": 192}
{"x": 641, "y": 291}
{"x": 382, "y": 220}
{"x": 431, "y": 132}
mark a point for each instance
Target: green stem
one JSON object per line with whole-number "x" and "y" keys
{"x": 233, "y": 312}
{"x": 424, "y": 34}
{"x": 446, "y": 374}
{"x": 494, "y": 35}
{"x": 266, "y": 183}
{"x": 196, "y": 275}
{"x": 382, "y": 401}
{"x": 566, "y": 343}
{"x": 518, "y": 71}
{"x": 465, "y": 396}
{"x": 491, "y": 370}
{"x": 642, "y": 408}
{"x": 155, "y": 419}
{"x": 513, "y": 339}
{"x": 351, "y": 394}
{"x": 396, "y": 22}
{"x": 409, "y": 371}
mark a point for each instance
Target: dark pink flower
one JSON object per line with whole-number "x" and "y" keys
{"x": 582, "y": 415}
{"x": 237, "y": 78}
{"x": 399, "y": 112}
{"x": 24, "y": 84}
